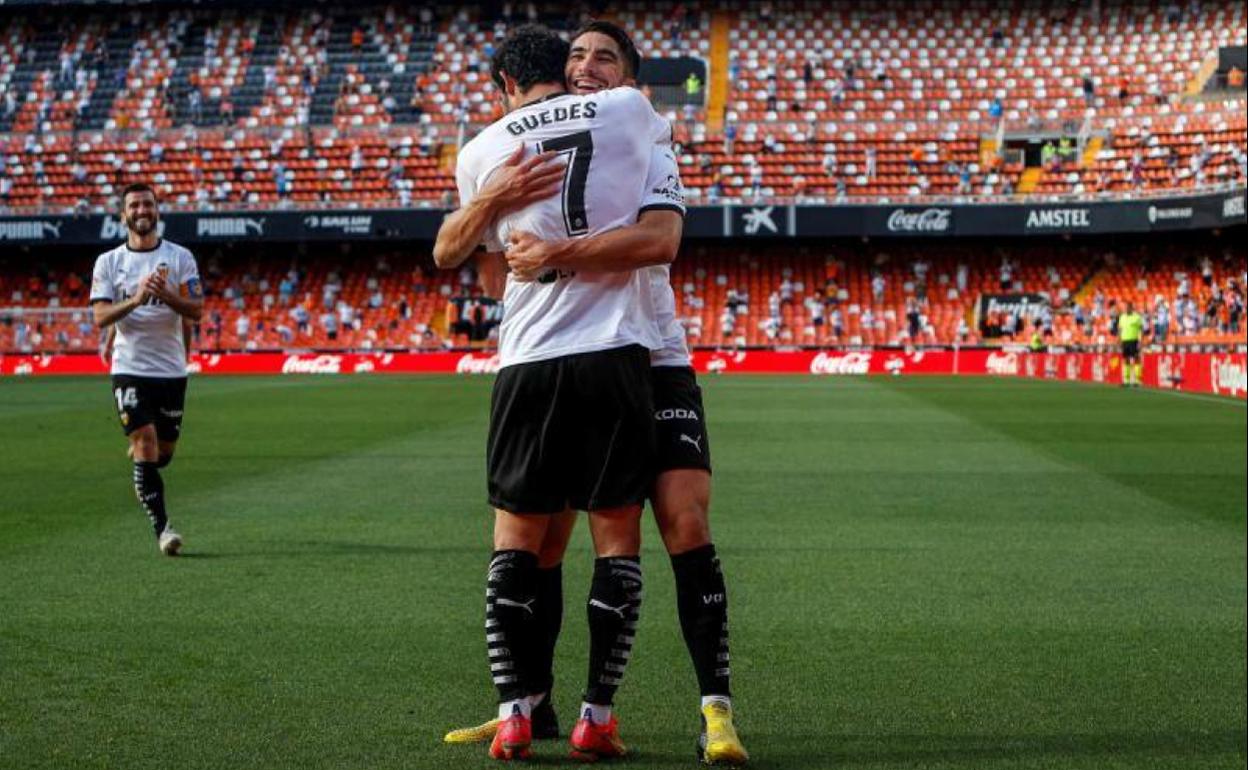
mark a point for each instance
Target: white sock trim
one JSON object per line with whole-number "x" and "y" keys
{"x": 599, "y": 715}
{"x": 721, "y": 699}
{"x": 508, "y": 707}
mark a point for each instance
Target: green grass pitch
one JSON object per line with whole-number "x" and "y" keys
{"x": 924, "y": 573}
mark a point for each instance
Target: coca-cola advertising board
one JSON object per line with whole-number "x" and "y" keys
{"x": 1224, "y": 374}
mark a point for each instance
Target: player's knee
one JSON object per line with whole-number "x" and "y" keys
{"x": 617, "y": 532}
{"x": 551, "y": 555}
{"x": 555, "y": 542}
{"x": 145, "y": 445}
{"x": 685, "y": 529}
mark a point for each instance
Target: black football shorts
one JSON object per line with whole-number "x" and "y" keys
{"x": 155, "y": 401}
{"x": 572, "y": 432}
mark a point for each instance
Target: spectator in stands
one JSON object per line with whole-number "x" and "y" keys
{"x": 756, "y": 178}
{"x": 1089, "y": 90}
{"x": 878, "y": 284}
{"x": 916, "y": 157}
{"x": 870, "y": 163}
{"x": 771, "y": 92}
{"x": 730, "y": 137}
{"x": 242, "y": 327}
{"x": 913, "y": 322}
{"x": 1161, "y": 319}
{"x": 1124, "y": 89}
{"x": 829, "y": 159}
{"x": 1235, "y": 78}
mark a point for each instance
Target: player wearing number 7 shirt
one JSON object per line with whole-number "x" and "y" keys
{"x": 570, "y": 418}
{"x": 145, "y": 289}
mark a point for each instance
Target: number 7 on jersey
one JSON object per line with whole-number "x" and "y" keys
{"x": 579, "y": 149}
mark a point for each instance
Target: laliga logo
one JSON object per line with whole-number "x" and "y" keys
{"x": 926, "y": 221}
{"x": 716, "y": 365}
{"x": 1072, "y": 368}
{"x": 469, "y": 364}
{"x": 850, "y": 363}
{"x": 894, "y": 365}
{"x": 363, "y": 366}
{"x": 318, "y": 365}
{"x": 1002, "y": 363}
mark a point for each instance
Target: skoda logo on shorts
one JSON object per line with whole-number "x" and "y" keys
{"x": 675, "y": 414}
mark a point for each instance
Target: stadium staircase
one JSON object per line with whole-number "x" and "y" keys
{"x": 1090, "y": 283}
{"x": 1196, "y": 85}
{"x": 1028, "y": 181}
{"x": 721, "y": 29}
{"x": 447, "y": 156}
{"x": 1091, "y": 151}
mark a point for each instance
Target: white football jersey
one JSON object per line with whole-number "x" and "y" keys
{"x": 149, "y": 340}
{"x": 606, "y": 140}
{"x": 664, "y": 191}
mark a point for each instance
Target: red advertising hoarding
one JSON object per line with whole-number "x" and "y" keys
{"x": 1217, "y": 373}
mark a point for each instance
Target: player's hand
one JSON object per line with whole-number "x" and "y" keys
{"x": 154, "y": 285}
{"x": 528, "y": 256}
{"x": 519, "y": 182}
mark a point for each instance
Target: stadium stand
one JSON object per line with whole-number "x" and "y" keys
{"x": 828, "y": 101}
{"x": 863, "y": 294}
{"x": 339, "y": 107}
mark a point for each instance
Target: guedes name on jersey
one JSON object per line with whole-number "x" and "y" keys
{"x": 555, "y": 115}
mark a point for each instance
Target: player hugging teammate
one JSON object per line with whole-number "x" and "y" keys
{"x": 579, "y": 184}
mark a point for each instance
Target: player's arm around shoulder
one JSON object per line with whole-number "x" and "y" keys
{"x": 514, "y": 184}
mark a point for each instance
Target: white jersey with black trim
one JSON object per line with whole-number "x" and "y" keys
{"x": 149, "y": 340}
{"x": 664, "y": 191}
{"x": 606, "y": 140}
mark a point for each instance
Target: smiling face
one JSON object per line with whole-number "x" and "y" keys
{"x": 595, "y": 63}
{"x": 139, "y": 212}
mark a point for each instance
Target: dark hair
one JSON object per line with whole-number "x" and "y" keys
{"x": 632, "y": 59}
{"x": 530, "y": 54}
{"x": 137, "y": 187}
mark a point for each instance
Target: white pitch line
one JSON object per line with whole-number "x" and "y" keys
{"x": 1228, "y": 400}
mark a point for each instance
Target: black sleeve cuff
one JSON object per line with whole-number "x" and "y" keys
{"x": 662, "y": 207}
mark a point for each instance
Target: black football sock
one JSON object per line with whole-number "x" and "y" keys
{"x": 150, "y": 489}
{"x": 510, "y": 621}
{"x": 549, "y": 622}
{"x": 702, "y": 602}
{"x": 613, "y": 608}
